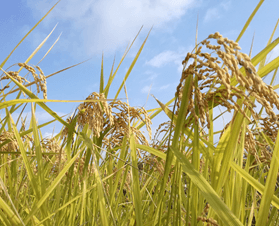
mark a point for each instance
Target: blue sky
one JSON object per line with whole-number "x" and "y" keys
{"x": 90, "y": 27}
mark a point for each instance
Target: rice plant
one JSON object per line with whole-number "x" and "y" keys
{"x": 100, "y": 169}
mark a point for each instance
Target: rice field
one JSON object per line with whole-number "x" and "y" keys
{"x": 101, "y": 169}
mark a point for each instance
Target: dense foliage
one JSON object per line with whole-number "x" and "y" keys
{"x": 100, "y": 169}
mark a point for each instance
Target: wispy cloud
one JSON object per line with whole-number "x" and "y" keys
{"x": 164, "y": 87}
{"x": 226, "y": 5}
{"x": 212, "y": 13}
{"x": 169, "y": 57}
{"x": 150, "y": 75}
{"x": 97, "y": 26}
{"x": 164, "y": 58}
{"x": 149, "y": 88}
{"x": 216, "y": 12}
{"x": 146, "y": 89}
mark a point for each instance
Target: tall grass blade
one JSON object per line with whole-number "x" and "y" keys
{"x": 48, "y": 76}
{"x": 206, "y": 190}
{"x": 111, "y": 77}
{"x": 269, "y": 186}
{"x": 33, "y": 96}
{"x": 26, "y": 161}
{"x": 253, "y": 182}
{"x": 50, "y": 49}
{"x": 102, "y": 76}
{"x": 249, "y": 20}
{"x": 170, "y": 156}
{"x": 137, "y": 201}
{"x": 38, "y": 48}
{"x": 131, "y": 66}
{"x": 38, "y": 152}
{"x": 51, "y": 188}
{"x": 269, "y": 67}
{"x": 269, "y": 41}
{"x": 3, "y": 63}
{"x": 7, "y": 214}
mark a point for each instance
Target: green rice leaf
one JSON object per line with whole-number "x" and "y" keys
{"x": 249, "y": 20}
{"x": 269, "y": 41}
{"x": 7, "y": 214}
{"x": 269, "y": 186}
{"x": 269, "y": 67}
{"x": 3, "y": 63}
{"x": 33, "y": 96}
{"x": 111, "y": 77}
{"x": 51, "y": 188}
{"x": 175, "y": 143}
{"x": 230, "y": 146}
{"x": 100, "y": 189}
{"x": 220, "y": 208}
{"x": 153, "y": 151}
{"x": 253, "y": 182}
{"x": 38, "y": 48}
{"x": 131, "y": 66}
{"x": 26, "y": 161}
{"x": 38, "y": 152}
{"x": 102, "y": 76}
{"x": 262, "y": 54}
{"x": 135, "y": 182}
{"x": 156, "y": 112}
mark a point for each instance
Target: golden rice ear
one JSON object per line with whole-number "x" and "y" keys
{"x": 216, "y": 73}
{"x": 103, "y": 169}
{"x": 95, "y": 113}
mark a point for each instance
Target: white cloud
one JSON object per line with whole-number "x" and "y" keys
{"x": 226, "y": 5}
{"x": 151, "y": 75}
{"x": 164, "y": 58}
{"x": 97, "y": 25}
{"x": 164, "y": 87}
{"x": 216, "y": 12}
{"x": 146, "y": 89}
{"x": 212, "y": 13}
{"x": 168, "y": 57}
